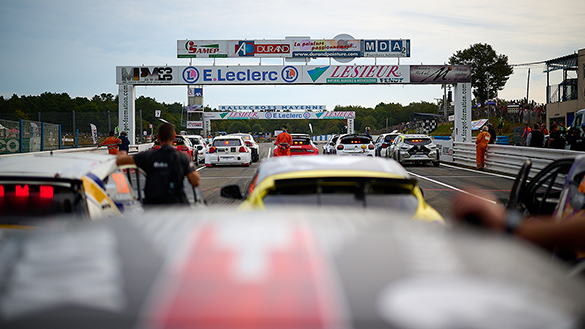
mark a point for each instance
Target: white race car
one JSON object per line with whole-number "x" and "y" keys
{"x": 228, "y": 150}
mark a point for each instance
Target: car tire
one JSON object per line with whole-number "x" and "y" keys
{"x": 436, "y": 163}
{"x": 398, "y": 157}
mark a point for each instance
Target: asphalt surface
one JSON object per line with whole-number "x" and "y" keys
{"x": 439, "y": 184}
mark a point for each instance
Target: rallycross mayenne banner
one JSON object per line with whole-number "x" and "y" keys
{"x": 270, "y": 115}
{"x": 291, "y": 74}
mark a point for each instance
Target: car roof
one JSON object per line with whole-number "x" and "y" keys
{"x": 300, "y": 135}
{"x": 331, "y": 164}
{"x": 61, "y": 165}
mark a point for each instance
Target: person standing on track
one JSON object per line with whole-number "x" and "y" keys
{"x": 125, "y": 143}
{"x": 112, "y": 143}
{"x": 481, "y": 145}
{"x": 165, "y": 169}
{"x": 285, "y": 139}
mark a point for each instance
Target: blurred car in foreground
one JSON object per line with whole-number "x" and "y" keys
{"x": 228, "y": 150}
{"x": 354, "y": 145}
{"x": 83, "y": 185}
{"x": 251, "y": 143}
{"x": 302, "y": 145}
{"x": 182, "y": 144}
{"x": 200, "y": 144}
{"x": 357, "y": 182}
{"x": 415, "y": 149}
{"x": 286, "y": 268}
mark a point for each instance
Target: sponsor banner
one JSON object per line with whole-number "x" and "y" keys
{"x": 268, "y": 75}
{"x": 326, "y": 48}
{"x": 271, "y": 115}
{"x": 272, "y": 107}
{"x": 358, "y": 74}
{"x": 260, "y": 48}
{"x": 440, "y": 74}
{"x": 386, "y": 48}
{"x": 194, "y": 124}
{"x": 194, "y": 108}
{"x": 195, "y": 92}
{"x": 202, "y": 48}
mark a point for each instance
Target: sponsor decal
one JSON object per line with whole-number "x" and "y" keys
{"x": 290, "y": 74}
{"x": 244, "y": 76}
{"x": 317, "y": 72}
{"x": 268, "y": 115}
{"x": 190, "y": 74}
{"x": 440, "y": 73}
{"x": 193, "y": 48}
{"x": 366, "y": 74}
{"x": 250, "y": 48}
{"x": 147, "y": 74}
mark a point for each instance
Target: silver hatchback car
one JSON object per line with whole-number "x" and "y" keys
{"x": 415, "y": 149}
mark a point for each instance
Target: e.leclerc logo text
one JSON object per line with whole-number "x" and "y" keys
{"x": 288, "y": 74}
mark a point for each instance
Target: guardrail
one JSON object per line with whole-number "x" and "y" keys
{"x": 508, "y": 159}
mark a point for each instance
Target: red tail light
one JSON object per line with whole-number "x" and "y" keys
{"x": 384, "y": 145}
{"x": 248, "y": 143}
{"x": 21, "y": 190}
{"x": 371, "y": 147}
{"x": 340, "y": 147}
{"x": 1, "y": 190}
{"x": 46, "y": 192}
{"x": 184, "y": 148}
{"x": 155, "y": 147}
{"x": 243, "y": 149}
{"x": 212, "y": 149}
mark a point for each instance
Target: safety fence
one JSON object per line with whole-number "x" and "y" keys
{"x": 26, "y": 136}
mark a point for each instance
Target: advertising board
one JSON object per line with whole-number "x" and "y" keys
{"x": 386, "y": 48}
{"x": 434, "y": 74}
{"x": 271, "y": 115}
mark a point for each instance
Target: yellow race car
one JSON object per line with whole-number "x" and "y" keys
{"x": 364, "y": 182}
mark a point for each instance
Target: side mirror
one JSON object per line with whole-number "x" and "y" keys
{"x": 231, "y": 192}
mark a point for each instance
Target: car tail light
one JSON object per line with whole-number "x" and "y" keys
{"x": 384, "y": 145}
{"x": 155, "y": 147}
{"x": 371, "y": 147}
{"x": 21, "y": 190}
{"x": 1, "y": 190}
{"x": 184, "y": 148}
{"x": 248, "y": 143}
{"x": 243, "y": 149}
{"x": 46, "y": 192}
{"x": 212, "y": 149}
{"x": 340, "y": 147}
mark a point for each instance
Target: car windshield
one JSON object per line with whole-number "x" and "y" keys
{"x": 26, "y": 201}
{"x": 195, "y": 141}
{"x": 417, "y": 141}
{"x": 395, "y": 194}
{"x": 355, "y": 140}
{"x": 226, "y": 142}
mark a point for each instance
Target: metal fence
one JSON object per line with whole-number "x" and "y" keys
{"x": 72, "y": 121}
{"x": 25, "y": 136}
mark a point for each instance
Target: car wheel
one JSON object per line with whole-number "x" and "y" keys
{"x": 436, "y": 163}
{"x": 398, "y": 157}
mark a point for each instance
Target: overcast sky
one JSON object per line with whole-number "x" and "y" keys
{"x": 75, "y": 46}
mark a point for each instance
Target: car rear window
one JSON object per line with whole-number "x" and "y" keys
{"x": 395, "y": 194}
{"x": 195, "y": 141}
{"x": 301, "y": 141}
{"x": 178, "y": 141}
{"x": 22, "y": 202}
{"x": 389, "y": 138}
{"x": 355, "y": 140}
{"x": 227, "y": 142}
{"x": 417, "y": 141}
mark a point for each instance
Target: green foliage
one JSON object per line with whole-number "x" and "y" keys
{"x": 489, "y": 71}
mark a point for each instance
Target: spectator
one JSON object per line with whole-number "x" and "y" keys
{"x": 481, "y": 145}
{"x": 125, "y": 143}
{"x": 492, "y": 132}
{"x": 536, "y": 137}
{"x": 576, "y": 141}
{"x": 556, "y": 141}
{"x": 563, "y": 130}
{"x": 526, "y": 131}
{"x": 500, "y": 124}
{"x": 368, "y": 132}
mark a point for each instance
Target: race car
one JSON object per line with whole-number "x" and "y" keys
{"x": 355, "y": 182}
{"x": 302, "y": 145}
{"x": 228, "y": 150}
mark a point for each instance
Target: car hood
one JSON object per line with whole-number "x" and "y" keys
{"x": 318, "y": 268}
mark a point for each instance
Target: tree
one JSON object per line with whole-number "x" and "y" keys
{"x": 489, "y": 71}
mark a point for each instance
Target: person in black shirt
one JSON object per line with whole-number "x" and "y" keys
{"x": 536, "y": 137}
{"x": 556, "y": 141}
{"x": 165, "y": 169}
{"x": 124, "y": 146}
{"x": 576, "y": 141}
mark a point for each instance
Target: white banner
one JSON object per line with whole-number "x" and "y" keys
{"x": 263, "y": 74}
{"x": 194, "y": 124}
{"x": 93, "y": 133}
{"x": 270, "y": 115}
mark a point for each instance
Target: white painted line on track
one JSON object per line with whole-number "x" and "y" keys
{"x": 449, "y": 186}
{"x": 479, "y": 171}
